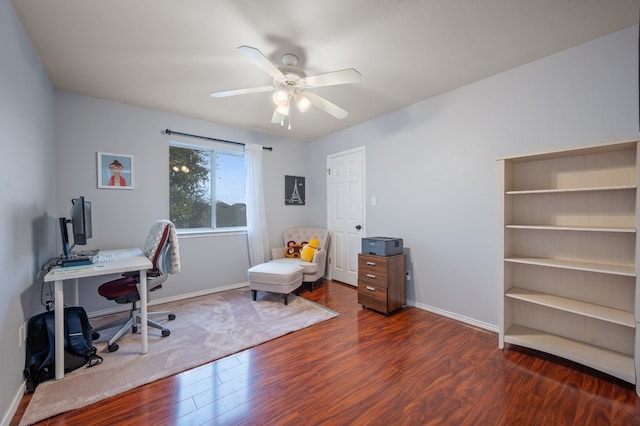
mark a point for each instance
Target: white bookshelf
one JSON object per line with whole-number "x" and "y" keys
{"x": 570, "y": 256}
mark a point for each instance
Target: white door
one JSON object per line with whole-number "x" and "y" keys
{"x": 345, "y": 213}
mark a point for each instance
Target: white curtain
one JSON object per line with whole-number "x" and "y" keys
{"x": 256, "y": 216}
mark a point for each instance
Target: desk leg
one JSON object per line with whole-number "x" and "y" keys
{"x": 143, "y": 310}
{"x": 76, "y": 293}
{"x": 59, "y": 325}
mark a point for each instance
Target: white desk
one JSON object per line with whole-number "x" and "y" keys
{"x": 125, "y": 260}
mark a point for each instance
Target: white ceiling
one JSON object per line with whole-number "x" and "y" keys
{"x": 169, "y": 55}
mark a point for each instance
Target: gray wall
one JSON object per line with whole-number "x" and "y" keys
{"x": 121, "y": 218}
{"x": 49, "y": 144}
{"x": 27, "y": 193}
{"x": 432, "y": 166}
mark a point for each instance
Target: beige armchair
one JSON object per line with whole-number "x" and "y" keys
{"x": 312, "y": 271}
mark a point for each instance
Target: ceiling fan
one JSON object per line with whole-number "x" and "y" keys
{"x": 291, "y": 85}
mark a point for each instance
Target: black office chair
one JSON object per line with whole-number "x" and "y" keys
{"x": 125, "y": 290}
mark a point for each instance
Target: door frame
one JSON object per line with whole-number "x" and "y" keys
{"x": 363, "y": 231}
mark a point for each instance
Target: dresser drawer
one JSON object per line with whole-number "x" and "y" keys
{"x": 381, "y": 282}
{"x": 372, "y": 296}
{"x": 373, "y": 278}
{"x": 368, "y": 262}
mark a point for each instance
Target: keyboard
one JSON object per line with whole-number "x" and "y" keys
{"x": 70, "y": 269}
{"x": 76, "y": 261}
{"x": 103, "y": 257}
{"x": 86, "y": 253}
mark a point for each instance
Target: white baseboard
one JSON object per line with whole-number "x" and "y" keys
{"x": 466, "y": 320}
{"x": 15, "y": 403}
{"x": 125, "y": 308}
{"x": 19, "y": 394}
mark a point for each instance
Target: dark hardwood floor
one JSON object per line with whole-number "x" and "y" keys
{"x": 361, "y": 368}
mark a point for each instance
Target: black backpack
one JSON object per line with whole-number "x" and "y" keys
{"x": 78, "y": 345}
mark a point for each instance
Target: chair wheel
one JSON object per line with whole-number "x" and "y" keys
{"x": 172, "y": 317}
{"x": 95, "y": 335}
{"x": 113, "y": 348}
{"x": 134, "y": 329}
{"x": 166, "y": 332}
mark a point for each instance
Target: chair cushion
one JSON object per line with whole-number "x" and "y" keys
{"x": 122, "y": 287}
{"x": 123, "y": 290}
{"x": 307, "y": 267}
{"x": 272, "y": 272}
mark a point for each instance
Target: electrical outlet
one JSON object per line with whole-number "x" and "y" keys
{"x": 22, "y": 334}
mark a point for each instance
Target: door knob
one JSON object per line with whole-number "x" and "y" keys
{"x": 358, "y": 227}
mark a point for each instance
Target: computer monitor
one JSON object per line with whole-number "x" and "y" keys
{"x": 81, "y": 221}
{"x": 64, "y": 234}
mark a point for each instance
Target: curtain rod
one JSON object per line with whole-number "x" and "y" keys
{"x": 171, "y": 132}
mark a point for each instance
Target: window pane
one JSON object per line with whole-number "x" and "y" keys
{"x": 230, "y": 203}
{"x": 190, "y": 187}
{"x": 197, "y": 176}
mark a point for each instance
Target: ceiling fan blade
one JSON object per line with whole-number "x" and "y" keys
{"x": 326, "y": 106}
{"x": 262, "y": 61}
{"x": 277, "y": 118}
{"x": 333, "y": 78}
{"x": 235, "y": 92}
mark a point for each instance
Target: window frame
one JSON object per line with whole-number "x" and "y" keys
{"x": 213, "y": 148}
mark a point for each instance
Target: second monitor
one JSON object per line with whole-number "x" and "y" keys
{"x": 82, "y": 230}
{"x": 81, "y": 221}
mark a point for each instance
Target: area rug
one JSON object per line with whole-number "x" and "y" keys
{"x": 206, "y": 328}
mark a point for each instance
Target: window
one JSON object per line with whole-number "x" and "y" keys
{"x": 206, "y": 187}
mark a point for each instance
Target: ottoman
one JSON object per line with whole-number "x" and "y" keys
{"x": 274, "y": 277}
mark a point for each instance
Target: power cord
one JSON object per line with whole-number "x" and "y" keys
{"x": 46, "y": 290}
{"x": 46, "y": 297}
{"x": 51, "y": 263}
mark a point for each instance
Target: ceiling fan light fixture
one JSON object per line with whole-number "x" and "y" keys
{"x": 283, "y": 109}
{"x": 289, "y": 84}
{"x": 281, "y": 97}
{"x": 302, "y": 102}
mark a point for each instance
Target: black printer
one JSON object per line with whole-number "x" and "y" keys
{"x": 382, "y": 246}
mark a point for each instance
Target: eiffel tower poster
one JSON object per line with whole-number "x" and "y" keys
{"x": 294, "y": 191}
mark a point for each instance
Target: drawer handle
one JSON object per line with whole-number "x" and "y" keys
{"x": 371, "y": 263}
{"x": 371, "y": 288}
{"x": 370, "y": 276}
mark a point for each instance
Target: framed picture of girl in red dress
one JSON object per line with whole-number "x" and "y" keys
{"x": 115, "y": 171}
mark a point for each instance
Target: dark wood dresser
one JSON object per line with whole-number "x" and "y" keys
{"x": 382, "y": 282}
